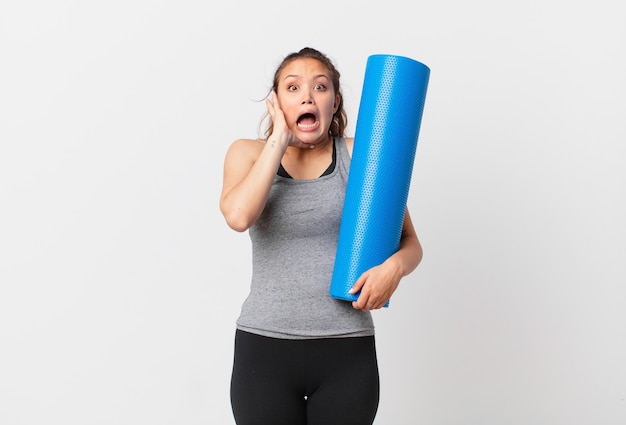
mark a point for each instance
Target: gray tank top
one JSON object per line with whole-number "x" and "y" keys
{"x": 293, "y": 254}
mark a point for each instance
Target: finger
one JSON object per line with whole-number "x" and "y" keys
{"x": 362, "y": 302}
{"x": 270, "y": 108}
{"x": 273, "y": 100}
{"x": 358, "y": 285}
{"x": 379, "y": 305}
{"x": 357, "y": 306}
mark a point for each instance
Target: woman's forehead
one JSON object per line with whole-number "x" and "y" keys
{"x": 304, "y": 67}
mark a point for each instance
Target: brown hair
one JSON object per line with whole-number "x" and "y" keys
{"x": 340, "y": 118}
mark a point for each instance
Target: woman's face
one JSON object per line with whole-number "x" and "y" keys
{"x": 307, "y": 98}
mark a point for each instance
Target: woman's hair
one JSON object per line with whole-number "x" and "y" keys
{"x": 340, "y": 118}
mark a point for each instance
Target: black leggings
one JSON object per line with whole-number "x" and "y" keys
{"x": 330, "y": 381}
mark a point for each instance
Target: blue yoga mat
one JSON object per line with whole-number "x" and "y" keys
{"x": 385, "y": 142}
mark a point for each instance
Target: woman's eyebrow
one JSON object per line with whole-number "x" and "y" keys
{"x": 299, "y": 76}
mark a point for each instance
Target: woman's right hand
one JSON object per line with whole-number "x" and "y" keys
{"x": 281, "y": 132}
{"x": 276, "y": 114}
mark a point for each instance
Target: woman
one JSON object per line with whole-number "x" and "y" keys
{"x": 301, "y": 356}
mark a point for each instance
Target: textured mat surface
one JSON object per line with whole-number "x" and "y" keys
{"x": 385, "y": 142}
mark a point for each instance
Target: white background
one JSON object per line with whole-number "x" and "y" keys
{"x": 120, "y": 281}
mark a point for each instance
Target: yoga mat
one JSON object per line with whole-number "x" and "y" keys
{"x": 385, "y": 142}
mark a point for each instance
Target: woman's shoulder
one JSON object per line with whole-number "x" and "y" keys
{"x": 349, "y": 144}
{"x": 246, "y": 147}
{"x": 251, "y": 144}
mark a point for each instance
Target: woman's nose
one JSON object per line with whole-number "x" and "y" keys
{"x": 307, "y": 98}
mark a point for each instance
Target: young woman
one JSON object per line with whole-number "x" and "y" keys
{"x": 301, "y": 356}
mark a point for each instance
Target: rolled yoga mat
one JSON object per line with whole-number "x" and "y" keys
{"x": 385, "y": 142}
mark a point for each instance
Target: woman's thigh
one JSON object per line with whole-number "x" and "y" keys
{"x": 265, "y": 385}
{"x": 344, "y": 375}
{"x": 304, "y": 382}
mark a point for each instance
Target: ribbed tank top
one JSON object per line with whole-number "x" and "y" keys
{"x": 294, "y": 242}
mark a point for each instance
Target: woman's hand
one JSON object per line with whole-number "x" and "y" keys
{"x": 376, "y": 285}
{"x": 277, "y": 116}
{"x": 281, "y": 131}
{"x": 380, "y": 282}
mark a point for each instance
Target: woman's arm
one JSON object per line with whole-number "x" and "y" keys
{"x": 249, "y": 170}
{"x": 380, "y": 282}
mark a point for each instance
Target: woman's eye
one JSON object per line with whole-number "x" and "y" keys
{"x": 292, "y": 87}
{"x": 320, "y": 87}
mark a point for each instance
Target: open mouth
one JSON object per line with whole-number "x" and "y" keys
{"x": 307, "y": 121}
